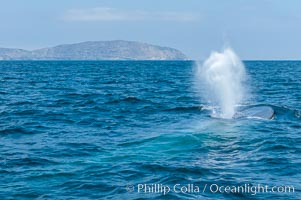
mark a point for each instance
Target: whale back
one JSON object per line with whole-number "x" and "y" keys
{"x": 263, "y": 112}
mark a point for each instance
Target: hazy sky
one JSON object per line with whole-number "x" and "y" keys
{"x": 257, "y": 29}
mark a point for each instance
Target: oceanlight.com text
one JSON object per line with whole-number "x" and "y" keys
{"x": 213, "y": 188}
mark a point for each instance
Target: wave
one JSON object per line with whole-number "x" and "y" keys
{"x": 14, "y": 130}
{"x": 128, "y": 99}
{"x": 185, "y": 109}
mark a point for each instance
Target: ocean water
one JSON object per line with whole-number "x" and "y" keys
{"x": 105, "y": 130}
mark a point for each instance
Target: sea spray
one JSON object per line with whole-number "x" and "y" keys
{"x": 222, "y": 76}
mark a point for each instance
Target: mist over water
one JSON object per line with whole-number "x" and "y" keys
{"x": 220, "y": 80}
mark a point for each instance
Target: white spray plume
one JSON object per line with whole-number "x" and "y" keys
{"x": 223, "y": 74}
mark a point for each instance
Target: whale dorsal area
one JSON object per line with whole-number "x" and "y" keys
{"x": 263, "y": 112}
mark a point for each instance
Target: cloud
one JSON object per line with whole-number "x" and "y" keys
{"x": 112, "y": 14}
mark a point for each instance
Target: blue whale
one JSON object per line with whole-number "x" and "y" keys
{"x": 262, "y": 112}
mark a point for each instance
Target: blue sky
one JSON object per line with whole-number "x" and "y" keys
{"x": 257, "y": 29}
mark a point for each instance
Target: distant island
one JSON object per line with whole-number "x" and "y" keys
{"x": 97, "y": 50}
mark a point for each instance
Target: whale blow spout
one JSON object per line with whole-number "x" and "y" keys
{"x": 223, "y": 74}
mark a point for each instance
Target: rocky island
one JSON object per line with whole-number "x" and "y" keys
{"x": 97, "y": 50}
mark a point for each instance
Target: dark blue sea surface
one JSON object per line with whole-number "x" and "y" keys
{"x": 95, "y": 130}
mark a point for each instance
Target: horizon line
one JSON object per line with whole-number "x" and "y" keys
{"x": 184, "y": 60}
